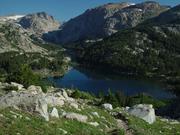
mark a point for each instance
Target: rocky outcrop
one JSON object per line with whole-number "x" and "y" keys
{"x": 39, "y": 23}
{"x": 42, "y": 108}
{"x": 105, "y": 20}
{"x": 26, "y": 101}
{"x": 19, "y": 86}
{"x": 145, "y": 112}
{"x": 24, "y": 104}
{"x": 54, "y": 101}
{"x": 34, "y": 89}
{"x": 33, "y": 100}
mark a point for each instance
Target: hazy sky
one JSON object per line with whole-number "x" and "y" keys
{"x": 60, "y": 9}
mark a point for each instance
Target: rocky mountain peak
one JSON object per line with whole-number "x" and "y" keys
{"x": 106, "y": 20}
{"x": 43, "y": 15}
{"x": 39, "y": 23}
{"x": 112, "y": 6}
{"x": 107, "y": 10}
{"x": 150, "y": 6}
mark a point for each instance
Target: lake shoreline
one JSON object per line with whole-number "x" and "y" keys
{"x": 79, "y": 83}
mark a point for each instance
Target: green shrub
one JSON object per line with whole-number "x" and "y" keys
{"x": 118, "y": 132}
{"x": 118, "y": 99}
{"x": 24, "y": 75}
{"x": 44, "y": 87}
{"x": 146, "y": 99}
{"x": 83, "y": 95}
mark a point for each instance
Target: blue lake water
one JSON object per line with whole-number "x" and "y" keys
{"x": 94, "y": 83}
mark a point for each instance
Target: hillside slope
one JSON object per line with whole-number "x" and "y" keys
{"x": 14, "y": 38}
{"x": 150, "y": 48}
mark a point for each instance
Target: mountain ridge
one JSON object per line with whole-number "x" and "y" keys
{"x": 151, "y": 48}
{"x": 105, "y": 20}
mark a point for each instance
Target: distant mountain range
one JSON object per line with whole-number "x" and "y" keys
{"x": 16, "y": 31}
{"x": 105, "y": 20}
{"x": 127, "y": 29}
{"x": 39, "y": 23}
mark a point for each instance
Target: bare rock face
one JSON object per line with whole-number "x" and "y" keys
{"x": 14, "y": 38}
{"x": 42, "y": 108}
{"x": 54, "y": 113}
{"x": 105, "y": 20}
{"x": 54, "y": 101}
{"x": 34, "y": 89}
{"x": 39, "y": 23}
{"x": 135, "y": 14}
{"x": 26, "y": 101}
{"x": 145, "y": 112}
{"x": 33, "y": 100}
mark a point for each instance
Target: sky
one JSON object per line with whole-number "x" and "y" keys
{"x": 62, "y": 10}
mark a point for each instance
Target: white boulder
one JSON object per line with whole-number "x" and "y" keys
{"x": 76, "y": 116}
{"x": 54, "y": 101}
{"x": 54, "y": 113}
{"x": 34, "y": 89}
{"x": 19, "y": 86}
{"x": 94, "y": 124}
{"x": 74, "y": 105}
{"x": 65, "y": 95}
{"x": 95, "y": 114}
{"x": 145, "y": 112}
{"x": 42, "y": 108}
{"x": 107, "y": 106}
{"x": 26, "y": 101}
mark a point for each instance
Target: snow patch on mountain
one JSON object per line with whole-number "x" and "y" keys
{"x": 8, "y": 18}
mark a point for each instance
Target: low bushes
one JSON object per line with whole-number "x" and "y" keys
{"x": 118, "y": 99}
{"x": 82, "y": 95}
{"x": 25, "y": 76}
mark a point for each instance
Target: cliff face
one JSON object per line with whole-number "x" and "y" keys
{"x": 105, "y": 20}
{"x": 39, "y": 23}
